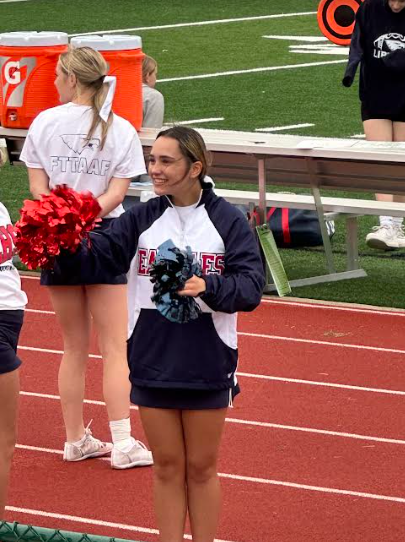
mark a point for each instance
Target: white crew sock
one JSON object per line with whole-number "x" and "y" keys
{"x": 386, "y": 221}
{"x": 397, "y": 221}
{"x": 121, "y": 434}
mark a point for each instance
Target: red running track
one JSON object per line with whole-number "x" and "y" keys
{"x": 313, "y": 450}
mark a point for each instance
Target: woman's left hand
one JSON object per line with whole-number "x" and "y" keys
{"x": 193, "y": 287}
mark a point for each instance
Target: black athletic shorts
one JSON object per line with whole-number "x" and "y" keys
{"x": 370, "y": 114}
{"x": 10, "y": 326}
{"x": 57, "y": 277}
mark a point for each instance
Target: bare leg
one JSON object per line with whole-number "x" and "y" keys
{"x": 70, "y": 305}
{"x": 399, "y": 135}
{"x": 379, "y": 130}
{"x": 9, "y": 389}
{"x": 164, "y": 432}
{"x": 202, "y": 435}
{"x": 108, "y": 306}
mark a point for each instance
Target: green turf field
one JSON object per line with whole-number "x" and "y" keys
{"x": 190, "y": 39}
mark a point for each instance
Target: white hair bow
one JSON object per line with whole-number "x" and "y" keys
{"x": 111, "y": 81}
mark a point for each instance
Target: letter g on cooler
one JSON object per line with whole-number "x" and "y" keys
{"x": 12, "y": 74}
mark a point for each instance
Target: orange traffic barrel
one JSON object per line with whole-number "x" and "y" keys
{"x": 27, "y": 73}
{"x": 336, "y": 19}
{"x": 124, "y": 56}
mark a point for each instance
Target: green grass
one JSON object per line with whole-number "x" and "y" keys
{"x": 246, "y": 101}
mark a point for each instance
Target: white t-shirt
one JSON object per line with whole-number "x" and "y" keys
{"x": 56, "y": 143}
{"x": 11, "y": 295}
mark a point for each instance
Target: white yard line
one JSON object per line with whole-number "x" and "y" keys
{"x": 319, "y": 51}
{"x": 311, "y": 39}
{"x": 12, "y": 1}
{"x": 281, "y": 128}
{"x": 197, "y": 121}
{"x": 252, "y": 70}
{"x": 199, "y": 23}
{"x": 267, "y": 425}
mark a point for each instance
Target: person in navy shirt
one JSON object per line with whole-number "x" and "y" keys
{"x": 378, "y": 45}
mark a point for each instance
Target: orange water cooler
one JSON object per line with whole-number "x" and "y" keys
{"x": 124, "y": 56}
{"x": 27, "y": 73}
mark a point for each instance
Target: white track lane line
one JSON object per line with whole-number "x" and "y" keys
{"x": 322, "y": 343}
{"x": 261, "y": 377}
{"x": 337, "y": 307}
{"x": 326, "y": 305}
{"x": 38, "y": 311}
{"x": 266, "y": 425}
{"x": 97, "y": 522}
{"x": 266, "y": 481}
{"x": 200, "y": 23}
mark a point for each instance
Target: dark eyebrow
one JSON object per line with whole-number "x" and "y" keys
{"x": 163, "y": 156}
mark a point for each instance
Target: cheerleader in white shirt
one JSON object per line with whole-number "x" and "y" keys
{"x": 12, "y": 304}
{"x": 84, "y": 145}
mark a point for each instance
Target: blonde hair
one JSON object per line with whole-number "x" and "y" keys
{"x": 89, "y": 67}
{"x": 149, "y": 65}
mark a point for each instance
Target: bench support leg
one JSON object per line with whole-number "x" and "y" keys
{"x": 321, "y": 215}
{"x": 262, "y": 190}
{"x": 352, "y": 243}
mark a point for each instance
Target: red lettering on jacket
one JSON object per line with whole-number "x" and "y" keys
{"x": 6, "y": 242}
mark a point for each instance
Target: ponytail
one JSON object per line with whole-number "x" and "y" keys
{"x": 89, "y": 67}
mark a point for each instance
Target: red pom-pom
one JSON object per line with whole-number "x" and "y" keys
{"x": 59, "y": 220}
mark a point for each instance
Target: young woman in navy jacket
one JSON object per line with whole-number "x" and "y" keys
{"x": 183, "y": 376}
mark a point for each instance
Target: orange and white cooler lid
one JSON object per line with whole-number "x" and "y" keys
{"x": 106, "y": 42}
{"x": 33, "y": 39}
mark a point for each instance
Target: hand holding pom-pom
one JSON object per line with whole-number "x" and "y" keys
{"x": 58, "y": 221}
{"x": 169, "y": 273}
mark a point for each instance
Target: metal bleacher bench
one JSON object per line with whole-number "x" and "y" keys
{"x": 300, "y": 162}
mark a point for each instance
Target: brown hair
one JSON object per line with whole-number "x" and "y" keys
{"x": 192, "y": 146}
{"x": 89, "y": 67}
{"x": 149, "y": 65}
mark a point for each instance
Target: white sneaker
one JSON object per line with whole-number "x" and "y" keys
{"x": 137, "y": 456}
{"x": 399, "y": 231}
{"x": 90, "y": 447}
{"x": 383, "y": 237}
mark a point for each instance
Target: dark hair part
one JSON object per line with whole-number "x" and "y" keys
{"x": 192, "y": 146}
{"x": 89, "y": 67}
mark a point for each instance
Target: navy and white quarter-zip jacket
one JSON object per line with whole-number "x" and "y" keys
{"x": 378, "y": 45}
{"x": 201, "y": 354}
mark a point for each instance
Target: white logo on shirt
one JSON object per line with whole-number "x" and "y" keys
{"x": 74, "y": 164}
{"x": 387, "y": 43}
{"x": 78, "y": 143}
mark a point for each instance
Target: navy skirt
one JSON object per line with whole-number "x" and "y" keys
{"x": 58, "y": 277}
{"x": 10, "y": 327}
{"x": 183, "y": 399}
